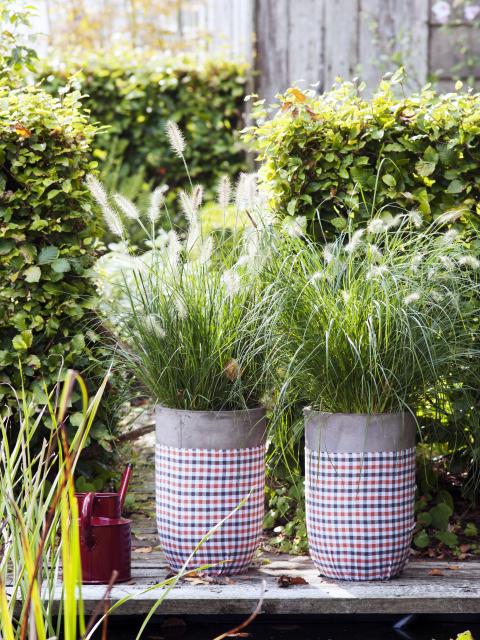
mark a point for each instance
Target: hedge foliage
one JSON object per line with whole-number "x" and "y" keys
{"x": 340, "y": 154}
{"x": 48, "y": 242}
{"x": 135, "y": 97}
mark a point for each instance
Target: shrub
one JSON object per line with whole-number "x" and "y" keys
{"x": 48, "y": 243}
{"x": 135, "y": 98}
{"x": 338, "y": 155}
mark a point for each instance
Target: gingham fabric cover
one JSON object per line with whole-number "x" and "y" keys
{"x": 196, "y": 489}
{"x": 360, "y": 514}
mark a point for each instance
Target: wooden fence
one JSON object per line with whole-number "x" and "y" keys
{"x": 315, "y": 41}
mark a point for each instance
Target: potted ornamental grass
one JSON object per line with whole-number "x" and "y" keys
{"x": 369, "y": 329}
{"x": 191, "y": 335}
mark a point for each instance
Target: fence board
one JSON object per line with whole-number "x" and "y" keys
{"x": 341, "y": 40}
{"x": 318, "y": 40}
{"x": 448, "y": 48}
{"x": 306, "y": 42}
{"x": 272, "y": 33}
{"x": 393, "y": 33}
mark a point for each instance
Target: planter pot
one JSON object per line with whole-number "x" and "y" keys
{"x": 207, "y": 463}
{"x": 359, "y": 491}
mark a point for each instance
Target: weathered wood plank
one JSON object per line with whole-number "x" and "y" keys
{"x": 306, "y": 43}
{"x": 448, "y": 49}
{"x": 393, "y": 33}
{"x": 341, "y": 40}
{"x": 272, "y": 36}
{"x": 457, "y": 590}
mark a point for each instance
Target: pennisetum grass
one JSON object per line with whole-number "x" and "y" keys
{"x": 376, "y": 321}
{"x": 190, "y": 332}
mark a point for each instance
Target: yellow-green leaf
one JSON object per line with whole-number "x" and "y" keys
{"x": 33, "y": 274}
{"x": 22, "y": 341}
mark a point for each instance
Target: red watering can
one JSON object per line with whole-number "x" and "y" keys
{"x": 105, "y": 538}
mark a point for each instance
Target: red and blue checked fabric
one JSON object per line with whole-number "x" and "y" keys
{"x": 196, "y": 489}
{"x": 360, "y": 512}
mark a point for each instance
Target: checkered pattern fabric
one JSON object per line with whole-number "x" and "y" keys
{"x": 360, "y": 512}
{"x": 196, "y": 489}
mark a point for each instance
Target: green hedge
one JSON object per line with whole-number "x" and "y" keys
{"x": 324, "y": 153}
{"x": 134, "y": 99}
{"x": 48, "y": 242}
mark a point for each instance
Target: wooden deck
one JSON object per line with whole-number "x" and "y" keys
{"x": 424, "y": 587}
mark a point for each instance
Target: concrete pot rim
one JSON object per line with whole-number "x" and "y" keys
{"x": 309, "y": 411}
{"x": 211, "y": 412}
{"x": 359, "y": 432}
{"x": 235, "y": 429}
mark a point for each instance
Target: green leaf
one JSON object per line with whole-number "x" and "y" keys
{"x": 33, "y": 274}
{"x": 6, "y": 245}
{"x": 455, "y": 186}
{"x": 62, "y": 265}
{"x": 421, "y": 540}
{"x": 389, "y": 180}
{"x": 425, "y": 168}
{"x": 470, "y": 530}
{"x": 34, "y": 361}
{"x": 4, "y": 357}
{"x": 48, "y": 254}
{"x": 78, "y": 342}
{"x": 398, "y": 76}
{"x": 446, "y": 497}
{"x": 23, "y": 340}
{"x": 77, "y": 419}
{"x": 447, "y": 537}
{"x": 339, "y": 223}
{"x": 431, "y": 155}
{"x": 292, "y": 206}
{"x": 421, "y": 196}
{"x": 424, "y": 518}
{"x": 440, "y": 515}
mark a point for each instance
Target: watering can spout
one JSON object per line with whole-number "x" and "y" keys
{"x": 124, "y": 484}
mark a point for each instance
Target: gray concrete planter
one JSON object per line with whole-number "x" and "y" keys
{"x": 207, "y": 464}
{"x": 359, "y": 491}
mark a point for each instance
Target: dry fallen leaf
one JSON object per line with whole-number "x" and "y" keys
{"x": 232, "y": 370}
{"x": 197, "y": 577}
{"x": 289, "y": 581}
{"x": 453, "y": 567}
{"x": 196, "y": 580}
{"x": 143, "y": 549}
{"x": 299, "y": 95}
{"x": 435, "y": 572}
{"x": 21, "y": 130}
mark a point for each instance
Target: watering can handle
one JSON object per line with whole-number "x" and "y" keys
{"x": 86, "y": 518}
{"x": 124, "y": 485}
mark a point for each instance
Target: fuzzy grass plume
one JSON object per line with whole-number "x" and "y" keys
{"x": 188, "y": 322}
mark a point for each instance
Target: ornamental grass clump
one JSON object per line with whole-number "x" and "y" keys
{"x": 190, "y": 331}
{"x": 380, "y": 320}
